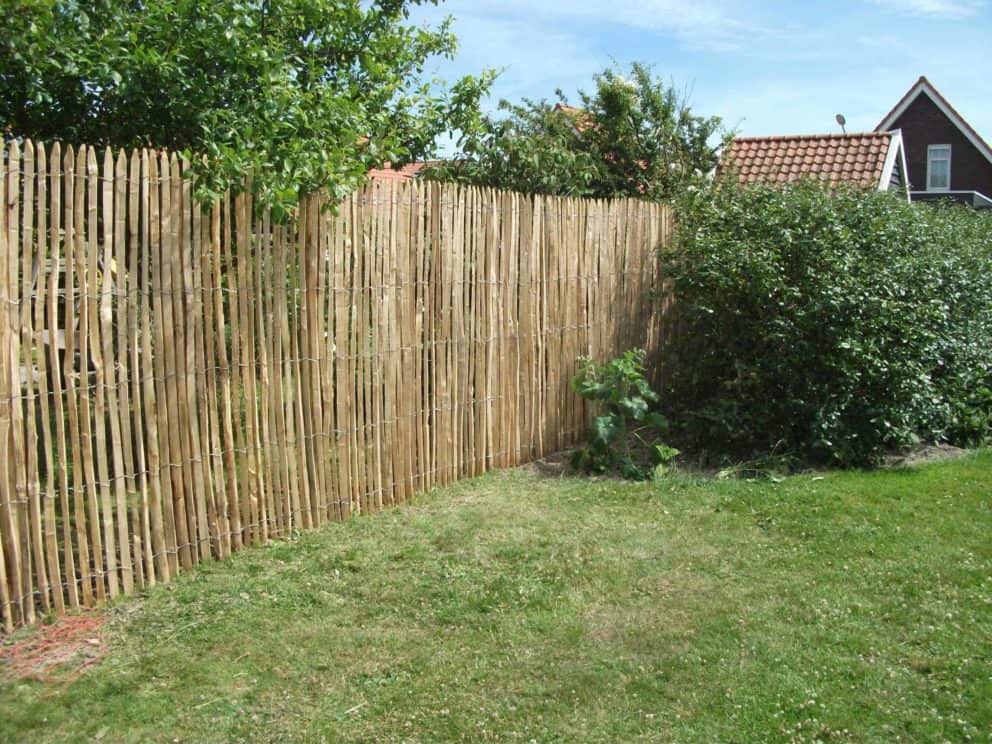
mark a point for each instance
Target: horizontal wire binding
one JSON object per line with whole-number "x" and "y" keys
{"x": 148, "y": 472}
{"x": 76, "y": 389}
{"x": 409, "y": 478}
{"x": 192, "y": 291}
{"x": 255, "y": 526}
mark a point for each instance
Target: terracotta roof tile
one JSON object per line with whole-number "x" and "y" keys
{"x": 834, "y": 158}
{"x": 406, "y": 173}
{"x": 580, "y": 119}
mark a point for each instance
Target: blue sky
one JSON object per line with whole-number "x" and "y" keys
{"x": 764, "y": 67}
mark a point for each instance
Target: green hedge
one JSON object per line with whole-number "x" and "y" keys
{"x": 828, "y": 326}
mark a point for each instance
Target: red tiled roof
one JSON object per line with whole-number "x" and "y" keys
{"x": 580, "y": 119}
{"x": 406, "y": 173}
{"x": 831, "y": 158}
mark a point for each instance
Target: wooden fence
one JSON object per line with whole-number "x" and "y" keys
{"x": 176, "y": 384}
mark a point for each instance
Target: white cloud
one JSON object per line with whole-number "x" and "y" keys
{"x": 947, "y": 9}
{"x": 531, "y": 57}
{"x": 713, "y": 25}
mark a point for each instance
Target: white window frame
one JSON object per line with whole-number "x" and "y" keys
{"x": 930, "y": 159}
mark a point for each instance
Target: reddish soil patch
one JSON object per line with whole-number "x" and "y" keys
{"x": 924, "y": 453}
{"x": 58, "y": 652}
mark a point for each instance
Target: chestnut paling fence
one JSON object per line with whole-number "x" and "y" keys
{"x": 178, "y": 383}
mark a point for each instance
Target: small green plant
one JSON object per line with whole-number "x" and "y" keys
{"x": 624, "y": 436}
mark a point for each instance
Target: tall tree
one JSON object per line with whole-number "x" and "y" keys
{"x": 631, "y": 136}
{"x": 303, "y": 93}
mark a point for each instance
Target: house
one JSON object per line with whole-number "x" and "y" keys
{"x": 872, "y": 160}
{"x": 408, "y": 172}
{"x": 945, "y": 156}
{"x": 580, "y": 119}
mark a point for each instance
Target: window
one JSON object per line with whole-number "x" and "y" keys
{"x": 938, "y": 167}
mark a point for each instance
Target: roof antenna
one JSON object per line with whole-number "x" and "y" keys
{"x": 842, "y": 121}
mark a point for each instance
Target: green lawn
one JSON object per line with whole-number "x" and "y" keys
{"x": 516, "y": 607}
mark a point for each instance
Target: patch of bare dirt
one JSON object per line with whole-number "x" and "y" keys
{"x": 60, "y": 651}
{"x": 924, "y": 453}
{"x": 556, "y": 465}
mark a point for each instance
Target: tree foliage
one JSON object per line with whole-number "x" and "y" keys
{"x": 631, "y": 136}
{"x": 303, "y": 93}
{"x": 828, "y": 326}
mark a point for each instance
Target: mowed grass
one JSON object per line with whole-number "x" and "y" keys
{"x": 515, "y": 607}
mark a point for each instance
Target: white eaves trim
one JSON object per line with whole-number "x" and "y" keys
{"x": 978, "y": 199}
{"x": 924, "y": 86}
{"x": 897, "y": 153}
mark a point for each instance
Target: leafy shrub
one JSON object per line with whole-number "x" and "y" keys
{"x": 624, "y": 436}
{"x": 831, "y": 326}
{"x": 633, "y": 135}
